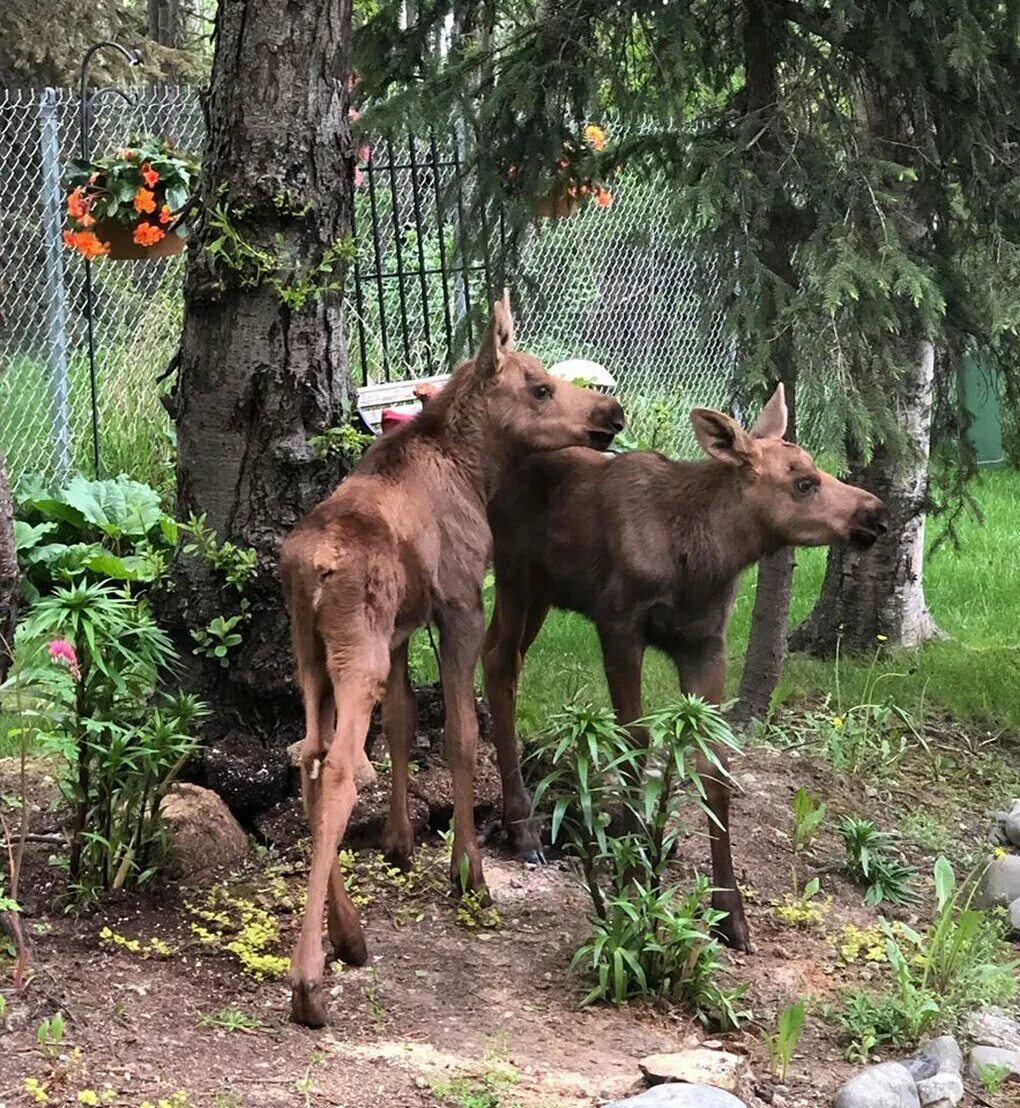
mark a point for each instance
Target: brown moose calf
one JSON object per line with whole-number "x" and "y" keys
{"x": 651, "y": 551}
{"x": 405, "y": 540}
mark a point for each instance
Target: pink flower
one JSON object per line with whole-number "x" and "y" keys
{"x": 358, "y": 177}
{"x": 364, "y": 152}
{"x": 62, "y": 652}
{"x": 353, "y": 115}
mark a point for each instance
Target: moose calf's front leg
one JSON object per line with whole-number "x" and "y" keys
{"x": 462, "y": 634}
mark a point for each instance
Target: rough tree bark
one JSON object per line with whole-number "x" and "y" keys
{"x": 263, "y": 362}
{"x": 8, "y": 573}
{"x": 880, "y": 591}
{"x": 766, "y": 647}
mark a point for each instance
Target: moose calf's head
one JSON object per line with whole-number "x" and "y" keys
{"x": 791, "y": 499}
{"x": 528, "y": 406}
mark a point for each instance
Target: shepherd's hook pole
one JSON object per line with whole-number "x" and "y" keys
{"x": 85, "y": 103}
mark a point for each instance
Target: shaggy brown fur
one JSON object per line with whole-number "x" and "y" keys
{"x": 405, "y": 540}
{"x": 651, "y": 551}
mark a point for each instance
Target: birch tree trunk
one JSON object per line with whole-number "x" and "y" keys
{"x": 880, "y": 591}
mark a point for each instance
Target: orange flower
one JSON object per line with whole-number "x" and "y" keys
{"x": 150, "y": 176}
{"x": 87, "y": 220}
{"x": 595, "y": 137}
{"x": 146, "y": 234}
{"x": 76, "y": 204}
{"x": 604, "y": 198}
{"x": 145, "y": 201}
{"x": 165, "y": 215}
{"x": 85, "y": 242}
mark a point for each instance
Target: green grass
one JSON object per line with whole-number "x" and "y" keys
{"x": 974, "y": 594}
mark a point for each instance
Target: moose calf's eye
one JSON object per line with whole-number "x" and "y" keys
{"x": 805, "y": 485}
{"x": 541, "y": 392}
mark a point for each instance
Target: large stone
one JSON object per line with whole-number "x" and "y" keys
{"x": 992, "y": 1027}
{"x": 889, "y": 1085}
{"x": 995, "y": 1058}
{"x": 202, "y": 837}
{"x": 1000, "y": 885}
{"x": 944, "y": 1052}
{"x": 695, "y": 1067}
{"x": 1014, "y": 916}
{"x": 943, "y": 1088}
{"x": 680, "y": 1096}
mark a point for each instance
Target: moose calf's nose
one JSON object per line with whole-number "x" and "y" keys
{"x": 614, "y": 416}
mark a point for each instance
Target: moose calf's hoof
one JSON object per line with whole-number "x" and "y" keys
{"x": 308, "y": 1004}
{"x": 350, "y": 951}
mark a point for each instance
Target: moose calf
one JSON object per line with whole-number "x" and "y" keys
{"x": 405, "y": 540}
{"x": 651, "y": 551}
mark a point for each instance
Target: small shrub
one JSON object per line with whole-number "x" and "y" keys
{"x": 960, "y": 962}
{"x": 783, "y": 1042}
{"x": 92, "y": 661}
{"x": 992, "y": 1077}
{"x": 868, "y": 863}
{"x": 648, "y": 937}
{"x": 808, "y": 813}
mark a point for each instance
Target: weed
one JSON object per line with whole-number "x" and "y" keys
{"x": 856, "y": 944}
{"x": 242, "y": 927}
{"x": 868, "y": 863}
{"x": 474, "y": 914}
{"x": 929, "y": 832}
{"x": 230, "y": 1019}
{"x": 783, "y": 1042}
{"x": 490, "y": 1090}
{"x": 808, "y": 813}
{"x": 344, "y": 441}
{"x": 993, "y": 1076}
{"x": 647, "y": 938}
{"x": 371, "y": 991}
{"x": 50, "y": 1035}
{"x": 153, "y": 948}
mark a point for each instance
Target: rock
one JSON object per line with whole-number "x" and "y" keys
{"x": 889, "y": 1085}
{"x": 202, "y": 836}
{"x": 994, "y": 1058}
{"x": 943, "y": 1088}
{"x": 1011, "y": 824}
{"x": 680, "y": 1096}
{"x": 992, "y": 1027}
{"x": 1014, "y": 916}
{"x": 695, "y": 1067}
{"x": 945, "y": 1053}
{"x": 1000, "y": 885}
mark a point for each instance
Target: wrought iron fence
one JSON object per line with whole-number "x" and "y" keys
{"x": 615, "y": 285}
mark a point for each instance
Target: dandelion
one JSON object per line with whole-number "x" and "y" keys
{"x": 63, "y": 653}
{"x": 149, "y": 175}
{"x": 595, "y": 137}
{"x": 145, "y": 201}
{"x": 147, "y": 234}
{"x": 837, "y": 722}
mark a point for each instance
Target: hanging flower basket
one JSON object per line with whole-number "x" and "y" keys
{"x": 576, "y": 177}
{"x": 559, "y": 203}
{"x": 131, "y": 204}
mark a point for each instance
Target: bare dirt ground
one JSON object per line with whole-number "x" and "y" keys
{"x": 445, "y": 1012}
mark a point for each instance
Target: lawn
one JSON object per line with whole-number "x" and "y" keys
{"x": 973, "y": 592}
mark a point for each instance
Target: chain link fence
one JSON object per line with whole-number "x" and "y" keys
{"x": 615, "y": 285}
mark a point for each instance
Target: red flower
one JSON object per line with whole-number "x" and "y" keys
{"x": 77, "y": 205}
{"x": 149, "y": 175}
{"x": 62, "y": 652}
{"x": 604, "y": 198}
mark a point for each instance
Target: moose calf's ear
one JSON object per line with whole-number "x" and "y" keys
{"x": 497, "y": 340}
{"x": 772, "y": 421}
{"x": 722, "y": 437}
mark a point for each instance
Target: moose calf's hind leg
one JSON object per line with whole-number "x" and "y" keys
{"x": 733, "y": 930}
{"x": 399, "y": 716}
{"x": 333, "y": 796}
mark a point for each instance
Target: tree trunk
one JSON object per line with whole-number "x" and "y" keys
{"x": 766, "y": 646}
{"x": 879, "y": 591}
{"x": 8, "y": 573}
{"x": 263, "y": 362}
